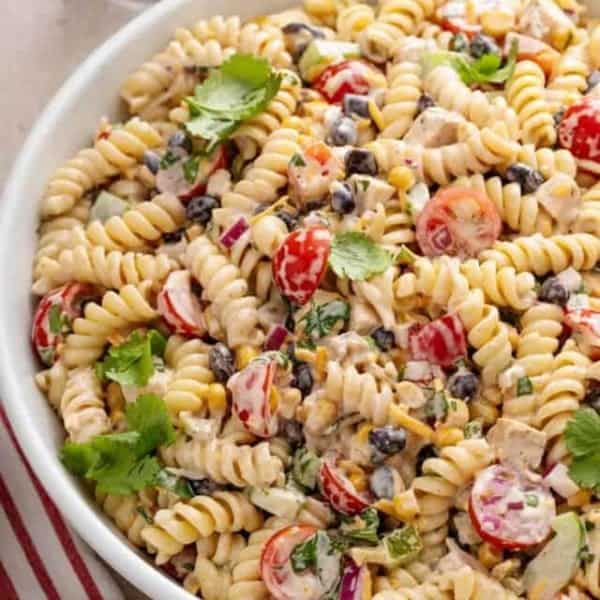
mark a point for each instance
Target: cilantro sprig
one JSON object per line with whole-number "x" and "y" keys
{"x": 122, "y": 463}
{"x": 356, "y": 256}
{"x": 582, "y": 437}
{"x": 321, "y": 318}
{"x": 486, "y": 69}
{"x": 132, "y": 363}
{"x": 240, "y": 89}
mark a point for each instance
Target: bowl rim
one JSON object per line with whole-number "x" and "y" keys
{"x": 98, "y": 535}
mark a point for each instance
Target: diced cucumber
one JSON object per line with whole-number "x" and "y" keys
{"x": 403, "y": 545}
{"x": 416, "y": 199}
{"x": 107, "y": 205}
{"x": 321, "y": 53}
{"x": 556, "y": 564}
{"x": 278, "y": 501}
{"x": 306, "y": 468}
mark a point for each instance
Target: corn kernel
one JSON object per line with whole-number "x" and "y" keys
{"x": 489, "y": 556}
{"x": 274, "y": 399}
{"x": 359, "y": 481}
{"x": 581, "y": 498}
{"x": 217, "y": 397}
{"x": 402, "y": 178}
{"x": 398, "y": 416}
{"x": 243, "y": 355}
{"x": 386, "y": 506}
{"x": 321, "y": 361}
{"x": 320, "y": 8}
{"x": 305, "y": 355}
{"x": 497, "y": 23}
{"x": 362, "y": 435}
{"x": 406, "y": 505}
{"x": 448, "y": 436}
{"x": 561, "y": 38}
{"x": 376, "y": 115}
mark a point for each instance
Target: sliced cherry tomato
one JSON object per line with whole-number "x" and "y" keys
{"x": 179, "y": 306}
{"x": 347, "y": 77}
{"x": 311, "y": 173}
{"x": 579, "y": 130}
{"x": 510, "y": 509}
{"x": 535, "y": 50}
{"x": 441, "y": 342}
{"x": 585, "y": 324}
{"x": 276, "y": 570}
{"x": 453, "y": 17}
{"x": 338, "y": 489}
{"x": 300, "y": 263}
{"x": 172, "y": 180}
{"x": 458, "y": 221}
{"x": 53, "y": 317}
{"x": 252, "y": 399}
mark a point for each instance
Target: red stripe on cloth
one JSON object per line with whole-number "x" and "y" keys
{"x": 62, "y": 532}
{"x": 22, "y": 535}
{"x": 7, "y": 589}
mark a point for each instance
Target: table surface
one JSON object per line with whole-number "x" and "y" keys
{"x": 42, "y": 42}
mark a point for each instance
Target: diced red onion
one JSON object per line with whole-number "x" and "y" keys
{"x": 558, "y": 479}
{"x": 351, "y": 587}
{"x": 233, "y": 233}
{"x": 515, "y": 506}
{"x": 276, "y": 337}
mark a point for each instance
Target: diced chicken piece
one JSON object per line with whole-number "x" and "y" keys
{"x": 370, "y": 191}
{"x": 517, "y": 444}
{"x": 219, "y": 183}
{"x": 199, "y": 428}
{"x": 561, "y": 197}
{"x": 544, "y": 20}
{"x": 157, "y": 384}
{"x": 412, "y": 48}
{"x": 435, "y": 127}
{"x": 349, "y": 345}
{"x": 363, "y": 318}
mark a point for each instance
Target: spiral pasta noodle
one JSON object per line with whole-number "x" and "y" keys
{"x": 568, "y": 83}
{"x": 589, "y": 218}
{"x": 129, "y": 306}
{"x": 200, "y": 517}
{"x": 353, "y": 19}
{"x": 401, "y": 98}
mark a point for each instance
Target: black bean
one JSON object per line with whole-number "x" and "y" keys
{"x": 424, "y": 453}
{"x": 290, "y": 323}
{"x": 482, "y": 44}
{"x": 174, "y": 236}
{"x": 290, "y": 220}
{"x": 593, "y": 80}
{"x": 554, "y": 291}
{"x": 203, "y": 487}
{"x": 425, "y": 102}
{"x": 342, "y": 199}
{"x": 303, "y": 378}
{"x": 292, "y": 431}
{"x": 557, "y": 117}
{"x": 199, "y": 209}
{"x": 463, "y": 384}
{"x": 459, "y": 43}
{"x": 355, "y": 104}
{"x": 381, "y": 482}
{"x": 388, "y": 439}
{"x": 384, "y": 338}
{"x": 296, "y": 27}
{"x": 529, "y": 179}
{"x": 152, "y": 161}
{"x": 180, "y": 140}
{"x": 221, "y": 363}
{"x": 343, "y": 132}
{"x": 592, "y": 397}
{"x": 360, "y": 161}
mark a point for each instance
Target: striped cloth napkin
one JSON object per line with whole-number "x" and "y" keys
{"x": 40, "y": 557}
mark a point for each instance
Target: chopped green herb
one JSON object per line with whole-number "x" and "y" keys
{"x": 47, "y": 355}
{"x": 437, "y": 406}
{"x": 238, "y": 90}
{"x": 305, "y": 468}
{"x": 131, "y": 363}
{"x": 364, "y": 184}
{"x": 297, "y": 160}
{"x": 321, "y": 318}
{"x": 403, "y": 545}
{"x": 524, "y": 386}
{"x": 585, "y": 554}
{"x": 531, "y": 500}
{"x": 177, "y": 485}
{"x": 57, "y": 320}
{"x": 168, "y": 159}
{"x": 582, "y": 437}
{"x": 190, "y": 168}
{"x": 356, "y": 256}
{"x": 473, "y": 429}
{"x": 304, "y": 555}
{"x": 122, "y": 463}
{"x": 361, "y": 528}
{"x": 188, "y": 566}
{"x": 142, "y": 511}
{"x": 405, "y": 256}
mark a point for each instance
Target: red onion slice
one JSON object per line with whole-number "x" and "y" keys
{"x": 276, "y": 337}
{"x": 234, "y": 232}
{"x": 353, "y": 581}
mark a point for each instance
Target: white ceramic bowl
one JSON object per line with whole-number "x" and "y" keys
{"x": 66, "y": 126}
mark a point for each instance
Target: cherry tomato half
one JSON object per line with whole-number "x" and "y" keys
{"x": 300, "y": 263}
{"x": 585, "y": 324}
{"x": 579, "y": 130}
{"x": 276, "y": 570}
{"x": 458, "y": 221}
{"x": 53, "y": 318}
{"x": 339, "y": 79}
{"x": 179, "y": 307}
{"x": 338, "y": 489}
{"x": 509, "y": 509}
{"x": 251, "y": 397}
{"x": 441, "y": 342}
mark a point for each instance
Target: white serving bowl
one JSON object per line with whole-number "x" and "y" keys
{"x": 66, "y": 126}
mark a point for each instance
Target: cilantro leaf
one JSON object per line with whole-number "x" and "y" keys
{"x": 304, "y": 555}
{"x": 403, "y": 545}
{"x": 321, "y": 318}
{"x": 57, "y": 321}
{"x": 582, "y": 434}
{"x": 356, "y": 256}
{"x": 524, "y": 386}
{"x": 131, "y": 363}
{"x": 585, "y": 470}
{"x": 122, "y": 463}
{"x": 177, "y": 485}
{"x": 240, "y": 89}
{"x": 361, "y": 528}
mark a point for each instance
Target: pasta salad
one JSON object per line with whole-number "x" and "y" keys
{"x": 321, "y": 315}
